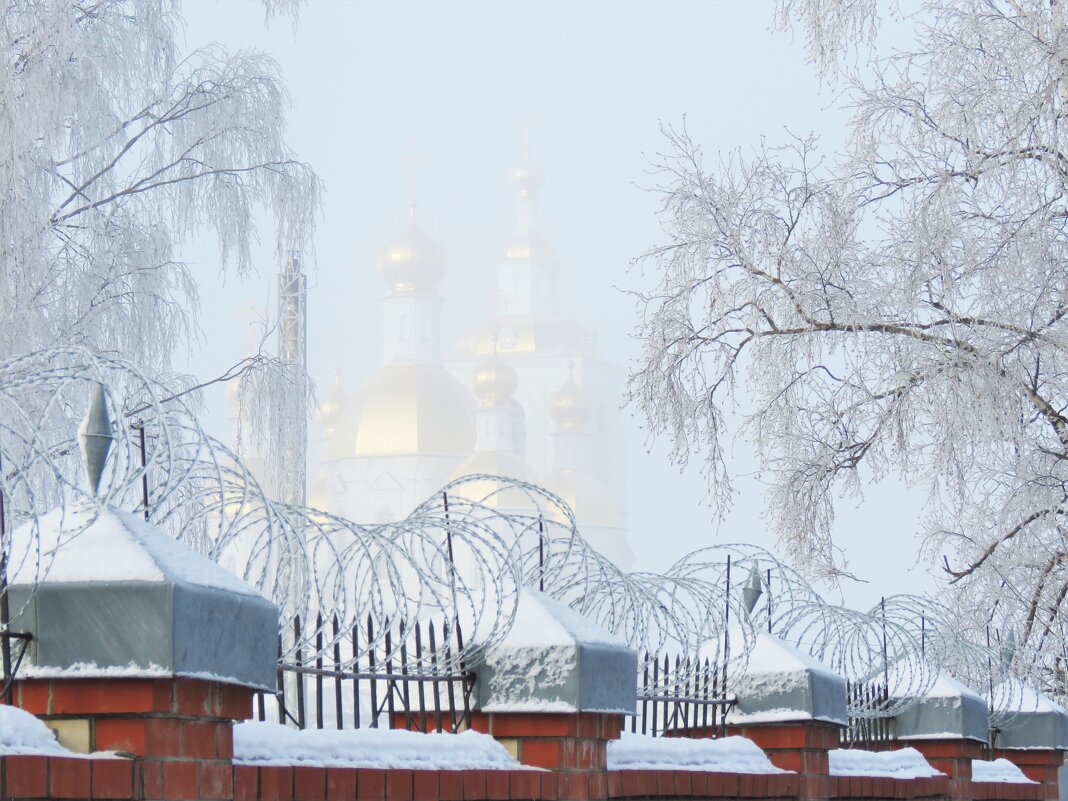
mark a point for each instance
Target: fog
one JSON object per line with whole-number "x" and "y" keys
{"x": 437, "y": 102}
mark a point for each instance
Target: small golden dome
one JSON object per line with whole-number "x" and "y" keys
{"x": 413, "y": 263}
{"x": 407, "y": 409}
{"x": 332, "y": 405}
{"x": 495, "y": 382}
{"x": 525, "y": 179}
{"x": 569, "y": 407}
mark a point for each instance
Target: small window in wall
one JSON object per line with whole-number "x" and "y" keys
{"x": 405, "y": 333}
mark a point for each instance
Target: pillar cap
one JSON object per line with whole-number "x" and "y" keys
{"x": 556, "y": 660}
{"x": 114, "y": 595}
{"x": 783, "y": 684}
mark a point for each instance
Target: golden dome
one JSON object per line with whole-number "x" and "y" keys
{"x": 495, "y": 382}
{"x": 569, "y": 407}
{"x": 489, "y": 491}
{"x": 588, "y": 499}
{"x": 413, "y": 262}
{"x": 526, "y": 335}
{"x": 407, "y": 409}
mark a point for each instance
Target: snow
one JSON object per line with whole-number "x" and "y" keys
{"x": 724, "y": 755}
{"x": 21, "y": 734}
{"x": 541, "y": 621}
{"x": 903, "y": 683}
{"x": 102, "y": 544}
{"x": 1015, "y": 696}
{"x": 780, "y": 715}
{"x": 257, "y": 743}
{"x": 906, "y": 763}
{"x": 998, "y": 770}
{"x": 775, "y": 667}
{"x": 91, "y": 670}
{"x": 770, "y": 655}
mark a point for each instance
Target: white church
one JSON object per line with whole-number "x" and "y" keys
{"x": 522, "y": 394}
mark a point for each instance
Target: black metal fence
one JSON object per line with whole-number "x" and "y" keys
{"x": 330, "y": 689}
{"x": 679, "y": 695}
{"x": 864, "y": 731}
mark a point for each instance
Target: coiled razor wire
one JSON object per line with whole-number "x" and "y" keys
{"x": 461, "y": 556}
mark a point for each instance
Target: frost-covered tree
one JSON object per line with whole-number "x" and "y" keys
{"x": 899, "y": 308}
{"x": 114, "y": 148}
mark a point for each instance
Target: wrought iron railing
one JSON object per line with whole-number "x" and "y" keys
{"x": 395, "y": 685}
{"x": 868, "y": 730}
{"x": 679, "y": 696}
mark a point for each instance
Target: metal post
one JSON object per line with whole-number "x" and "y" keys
{"x": 541, "y": 554}
{"x": 727, "y": 628}
{"x": 144, "y": 469}
{"x": 886, "y": 663}
{"x": 768, "y": 582}
{"x": 5, "y": 612}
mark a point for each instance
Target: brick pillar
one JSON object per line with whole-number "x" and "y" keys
{"x": 800, "y": 746}
{"x": 1038, "y": 764}
{"x": 180, "y": 729}
{"x": 559, "y": 741}
{"x": 952, "y": 756}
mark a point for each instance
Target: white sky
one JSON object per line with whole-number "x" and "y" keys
{"x": 436, "y": 99}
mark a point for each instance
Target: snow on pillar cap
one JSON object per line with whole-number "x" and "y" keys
{"x": 115, "y": 596}
{"x": 556, "y": 660}
{"x": 783, "y": 684}
{"x": 947, "y": 711}
{"x": 1035, "y": 722}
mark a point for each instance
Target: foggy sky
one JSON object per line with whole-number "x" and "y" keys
{"x": 436, "y": 101}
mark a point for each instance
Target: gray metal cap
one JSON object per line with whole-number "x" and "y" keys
{"x": 782, "y": 683}
{"x": 555, "y": 660}
{"x": 117, "y": 596}
{"x": 948, "y": 711}
{"x": 1037, "y": 722}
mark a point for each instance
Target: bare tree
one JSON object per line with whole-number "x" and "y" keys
{"x": 115, "y": 148}
{"x": 896, "y": 309}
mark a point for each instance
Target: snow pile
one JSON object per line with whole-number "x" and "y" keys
{"x": 907, "y": 763}
{"x": 22, "y": 733}
{"x": 724, "y": 755}
{"x": 258, "y": 743}
{"x": 90, "y": 544}
{"x": 999, "y": 770}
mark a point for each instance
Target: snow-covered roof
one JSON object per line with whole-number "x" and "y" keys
{"x": 783, "y": 683}
{"x": 555, "y": 660}
{"x": 772, "y": 655}
{"x": 542, "y": 621}
{"x": 102, "y": 544}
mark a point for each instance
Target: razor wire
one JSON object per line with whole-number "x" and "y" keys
{"x": 462, "y": 556}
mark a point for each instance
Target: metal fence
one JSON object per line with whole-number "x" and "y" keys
{"x": 679, "y": 695}
{"x": 330, "y": 690}
{"x": 865, "y": 731}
